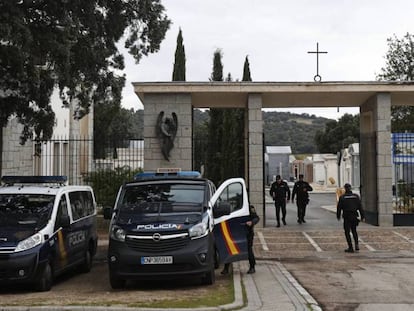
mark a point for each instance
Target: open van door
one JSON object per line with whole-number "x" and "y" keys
{"x": 231, "y": 211}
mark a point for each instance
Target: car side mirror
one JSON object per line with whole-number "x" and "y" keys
{"x": 221, "y": 209}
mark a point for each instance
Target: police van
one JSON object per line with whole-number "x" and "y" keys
{"x": 175, "y": 225}
{"x": 46, "y": 227}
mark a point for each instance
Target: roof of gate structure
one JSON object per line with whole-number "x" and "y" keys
{"x": 281, "y": 94}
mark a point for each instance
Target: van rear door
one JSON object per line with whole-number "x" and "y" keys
{"x": 230, "y": 229}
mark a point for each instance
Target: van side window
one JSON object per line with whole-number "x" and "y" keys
{"x": 233, "y": 194}
{"x": 81, "y": 204}
{"x": 62, "y": 211}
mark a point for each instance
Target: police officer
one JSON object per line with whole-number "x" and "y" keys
{"x": 301, "y": 189}
{"x": 349, "y": 205}
{"x": 253, "y": 220}
{"x": 280, "y": 192}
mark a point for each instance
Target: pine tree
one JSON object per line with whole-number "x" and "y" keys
{"x": 179, "y": 63}
{"x": 399, "y": 67}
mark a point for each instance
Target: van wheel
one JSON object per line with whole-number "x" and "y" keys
{"x": 116, "y": 282}
{"x": 45, "y": 279}
{"x": 86, "y": 266}
{"x": 209, "y": 278}
{"x": 216, "y": 259}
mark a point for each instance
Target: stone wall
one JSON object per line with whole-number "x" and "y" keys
{"x": 17, "y": 158}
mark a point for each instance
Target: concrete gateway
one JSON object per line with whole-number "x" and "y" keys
{"x": 373, "y": 98}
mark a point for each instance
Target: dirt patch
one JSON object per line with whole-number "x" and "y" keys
{"x": 93, "y": 289}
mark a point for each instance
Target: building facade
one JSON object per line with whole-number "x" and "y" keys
{"x": 277, "y": 163}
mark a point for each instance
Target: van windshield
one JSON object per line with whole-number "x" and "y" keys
{"x": 28, "y": 210}
{"x": 163, "y": 198}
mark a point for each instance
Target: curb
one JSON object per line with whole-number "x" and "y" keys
{"x": 312, "y": 303}
{"x": 238, "y": 292}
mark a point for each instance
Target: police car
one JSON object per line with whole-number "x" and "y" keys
{"x": 175, "y": 225}
{"x": 46, "y": 227}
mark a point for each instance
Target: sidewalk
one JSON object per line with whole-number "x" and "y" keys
{"x": 272, "y": 287}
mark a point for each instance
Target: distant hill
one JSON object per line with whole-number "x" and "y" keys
{"x": 285, "y": 129}
{"x": 280, "y": 129}
{"x": 290, "y": 129}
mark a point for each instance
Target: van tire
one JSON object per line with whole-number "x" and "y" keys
{"x": 44, "y": 280}
{"x": 116, "y": 282}
{"x": 216, "y": 258}
{"x": 86, "y": 265}
{"x": 209, "y": 278}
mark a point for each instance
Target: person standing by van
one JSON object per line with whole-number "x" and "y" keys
{"x": 280, "y": 192}
{"x": 253, "y": 220}
{"x": 301, "y": 190}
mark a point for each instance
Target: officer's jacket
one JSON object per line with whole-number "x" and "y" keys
{"x": 254, "y": 218}
{"x": 280, "y": 192}
{"x": 301, "y": 189}
{"x": 349, "y": 205}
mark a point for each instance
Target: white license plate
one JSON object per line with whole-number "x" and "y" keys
{"x": 157, "y": 260}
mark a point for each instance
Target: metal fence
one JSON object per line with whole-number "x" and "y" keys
{"x": 121, "y": 159}
{"x": 74, "y": 158}
{"x": 403, "y": 179}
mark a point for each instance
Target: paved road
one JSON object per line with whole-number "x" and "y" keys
{"x": 379, "y": 277}
{"x": 318, "y": 212}
{"x": 297, "y": 264}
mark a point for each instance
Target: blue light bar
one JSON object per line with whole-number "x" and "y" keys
{"x": 10, "y": 180}
{"x": 155, "y": 175}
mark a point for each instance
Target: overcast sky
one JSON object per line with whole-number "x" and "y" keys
{"x": 276, "y": 36}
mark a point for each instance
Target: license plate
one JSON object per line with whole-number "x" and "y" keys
{"x": 157, "y": 260}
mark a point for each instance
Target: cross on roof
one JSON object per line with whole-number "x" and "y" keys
{"x": 317, "y": 78}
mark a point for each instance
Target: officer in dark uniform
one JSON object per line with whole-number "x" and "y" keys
{"x": 253, "y": 220}
{"x": 301, "y": 189}
{"x": 280, "y": 192}
{"x": 349, "y": 205}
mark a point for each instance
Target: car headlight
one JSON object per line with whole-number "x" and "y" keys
{"x": 29, "y": 243}
{"x": 118, "y": 234}
{"x": 198, "y": 231}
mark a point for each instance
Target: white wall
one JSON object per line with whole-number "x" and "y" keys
{"x": 62, "y": 123}
{"x": 325, "y": 168}
{"x": 331, "y": 170}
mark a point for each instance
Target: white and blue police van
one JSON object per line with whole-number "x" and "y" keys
{"x": 46, "y": 227}
{"x": 171, "y": 225}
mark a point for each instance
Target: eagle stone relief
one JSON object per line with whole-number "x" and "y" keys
{"x": 166, "y": 132}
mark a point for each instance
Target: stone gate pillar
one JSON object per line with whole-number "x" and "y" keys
{"x": 255, "y": 155}
{"x": 376, "y": 159}
{"x": 181, "y": 153}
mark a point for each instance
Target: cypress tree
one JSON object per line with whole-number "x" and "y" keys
{"x": 226, "y": 134}
{"x": 215, "y": 129}
{"x": 217, "y": 74}
{"x": 246, "y": 71}
{"x": 179, "y": 62}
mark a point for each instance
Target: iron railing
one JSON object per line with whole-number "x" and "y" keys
{"x": 74, "y": 158}
{"x": 403, "y": 179}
